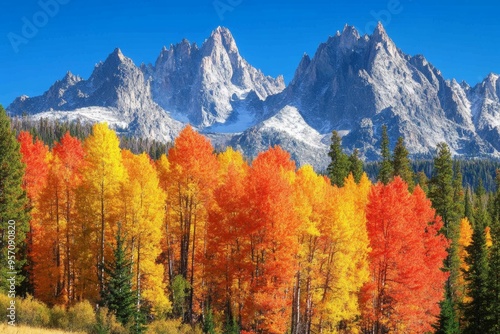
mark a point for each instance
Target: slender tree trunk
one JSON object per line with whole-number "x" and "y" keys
{"x": 139, "y": 273}
{"x": 60, "y": 277}
{"x": 69, "y": 283}
{"x": 100, "y": 264}
{"x": 191, "y": 291}
{"x": 296, "y": 305}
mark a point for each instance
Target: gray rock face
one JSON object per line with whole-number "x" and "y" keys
{"x": 354, "y": 84}
{"x": 116, "y": 92}
{"x": 204, "y": 84}
{"x": 485, "y": 106}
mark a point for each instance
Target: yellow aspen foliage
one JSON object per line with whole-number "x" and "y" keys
{"x": 98, "y": 199}
{"x": 489, "y": 241}
{"x": 142, "y": 217}
{"x": 345, "y": 248}
{"x": 465, "y": 239}
{"x": 333, "y": 251}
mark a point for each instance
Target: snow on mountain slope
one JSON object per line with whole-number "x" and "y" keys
{"x": 116, "y": 92}
{"x": 86, "y": 115}
{"x": 289, "y": 130}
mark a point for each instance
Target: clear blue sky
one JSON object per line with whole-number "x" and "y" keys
{"x": 460, "y": 37}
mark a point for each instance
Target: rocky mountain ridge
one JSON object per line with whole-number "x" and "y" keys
{"x": 353, "y": 84}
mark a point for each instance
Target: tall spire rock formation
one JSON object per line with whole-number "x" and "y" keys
{"x": 203, "y": 84}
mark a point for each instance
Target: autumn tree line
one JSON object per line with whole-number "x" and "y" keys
{"x": 249, "y": 247}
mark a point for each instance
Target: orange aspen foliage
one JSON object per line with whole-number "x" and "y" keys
{"x": 192, "y": 175}
{"x": 227, "y": 264}
{"x": 489, "y": 241}
{"x": 407, "y": 253}
{"x": 272, "y": 225}
{"x": 35, "y": 155}
{"x": 55, "y": 279}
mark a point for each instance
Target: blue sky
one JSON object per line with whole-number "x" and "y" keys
{"x": 460, "y": 37}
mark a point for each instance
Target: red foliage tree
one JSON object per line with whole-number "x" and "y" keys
{"x": 272, "y": 226}
{"x": 405, "y": 260}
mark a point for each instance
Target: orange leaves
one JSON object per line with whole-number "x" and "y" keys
{"x": 272, "y": 226}
{"x": 405, "y": 260}
{"x": 34, "y": 155}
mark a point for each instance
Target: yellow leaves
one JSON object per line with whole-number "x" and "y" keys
{"x": 464, "y": 241}
{"x": 142, "y": 214}
{"x": 334, "y": 245}
{"x": 489, "y": 241}
{"x": 105, "y": 168}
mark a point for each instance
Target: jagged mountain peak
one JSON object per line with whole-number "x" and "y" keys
{"x": 380, "y": 31}
{"x": 201, "y": 85}
{"x": 221, "y": 37}
{"x": 349, "y": 35}
{"x": 117, "y": 57}
{"x": 381, "y": 40}
{"x": 71, "y": 78}
{"x": 492, "y": 77}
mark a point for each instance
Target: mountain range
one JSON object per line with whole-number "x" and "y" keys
{"x": 353, "y": 84}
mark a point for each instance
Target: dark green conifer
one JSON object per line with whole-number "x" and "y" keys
{"x": 442, "y": 194}
{"x": 13, "y": 209}
{"x": 386, "y": 171}
{"x": 339, "y": 166}
{"x": 401, "y": 165}
{"x": 118, "y": 295}
{"x": 355, "y": 165}
{"x": 476, "y": 311}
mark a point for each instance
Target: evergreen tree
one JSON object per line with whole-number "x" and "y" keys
{"x": 208, "y": 322}
{"x": 386, "y": 171}
{"x": 441, "y": 186}
{"x": 338, "y": 169}
{"x": 494, "y": 265}
{"x": 423, "y": 182}
{"x": 14, "y": 217}
{"x": 447, "y": 323}
{"x": 231, "y": 326}
{"x": 118, "y": 295}
{"x": 401, "y": 164}
{"x": 458, "y": 192}
{"x": 441, "y": 193}
{"x": 476, "y": 311}
{"x": 355, "y": 165}
{"x": 468, "y": 207}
